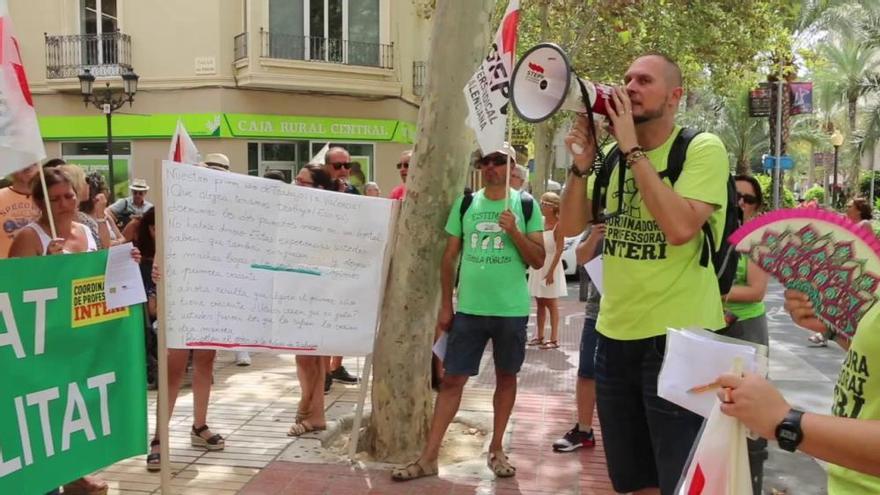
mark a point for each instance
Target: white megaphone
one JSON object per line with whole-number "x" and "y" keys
{"x": 543, "y": 84}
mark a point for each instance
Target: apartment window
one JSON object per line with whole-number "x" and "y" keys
{"x": 99, "y": 21}
{"x": 342, "y": 31}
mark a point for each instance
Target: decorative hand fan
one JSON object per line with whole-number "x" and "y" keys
{"x": 820, "y": 253}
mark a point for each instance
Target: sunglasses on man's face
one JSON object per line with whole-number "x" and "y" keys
{"x": 345, "y": 165}
{"x": 402, "y": 165}
{"x": 748, "y": 199}
{"x": 497, "y": 160}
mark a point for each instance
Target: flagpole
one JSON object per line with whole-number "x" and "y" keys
{"x": 509, "y": 160}
{"x": 47, "y": 203}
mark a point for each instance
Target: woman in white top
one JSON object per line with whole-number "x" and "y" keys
{"x": 73, "y": 237}
{"x": 547, "y": 283}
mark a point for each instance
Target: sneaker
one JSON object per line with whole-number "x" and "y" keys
{"x": 342, "y": 375}
{"x": 574, "y": 439}
{"x": 328, "y": 382}
{"x": 242, "y": 358}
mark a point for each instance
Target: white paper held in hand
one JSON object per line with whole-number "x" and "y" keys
{"x": 123, "y": 285}
{"x": 594, "y": 270}
{"x": 697, "y": 357}
{"x": 440, "y": 346}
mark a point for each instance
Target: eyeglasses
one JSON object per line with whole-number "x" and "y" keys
{"x": 402, "y": 165}
{"x": 345, "y": 165}
{"x": 748, "y": 199}
{"x": 301, "y": 182}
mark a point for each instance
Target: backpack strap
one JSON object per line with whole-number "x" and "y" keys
{"x": 674, "y": 167}
{"x": 603, "y": 179}
{"x": 466, "y": 201}
{"x": 527, "y": 201}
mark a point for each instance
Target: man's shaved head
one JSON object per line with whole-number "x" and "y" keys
{"x": 673, "y": 71}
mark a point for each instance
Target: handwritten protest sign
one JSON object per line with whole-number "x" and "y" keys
{"x": 258, "y": 264}
{"x": 73, "y": 398}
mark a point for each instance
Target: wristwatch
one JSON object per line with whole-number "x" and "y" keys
{"x": 788, "y": 432}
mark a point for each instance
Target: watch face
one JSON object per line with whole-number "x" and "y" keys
{"x": 786, "y": 434}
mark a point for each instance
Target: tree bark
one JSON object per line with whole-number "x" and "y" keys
{"x": 401, "y": 394}
{"x": 543, "y": 139}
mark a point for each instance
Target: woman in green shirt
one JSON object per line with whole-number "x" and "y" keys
{"x": 744, "y": 308}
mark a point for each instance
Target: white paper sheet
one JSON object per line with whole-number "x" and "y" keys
{"x": 697, "y": 357}
{"x": 123, "y": 285}
{"x": 594, "y": 270}
{"x": 440, "y": 346}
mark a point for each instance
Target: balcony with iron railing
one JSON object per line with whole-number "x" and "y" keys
{"x": 240, "y": 46}
{"x": 329, "y": 50}
{"x": 420, "y": 71}
{"x": 106, "y": 54}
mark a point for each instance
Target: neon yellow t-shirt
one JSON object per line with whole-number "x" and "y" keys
{"x": 651, "y": 285}
{"x": 857, "y": 395}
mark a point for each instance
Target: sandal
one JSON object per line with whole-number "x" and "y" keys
{"x": 550, "y": 344}
{"x": 413, "y": 471}
{"x": 87, "y": 485}
{"x": 500, "y": 465}
{"x": 154, "y": 458}
{"x": 818, "y": 340}
{"x": 537, "y": 341}
{"x": 303, "y": 427}
{"x": 215, "y": 442}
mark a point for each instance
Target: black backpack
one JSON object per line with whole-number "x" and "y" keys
{"x": 722, "y": 254}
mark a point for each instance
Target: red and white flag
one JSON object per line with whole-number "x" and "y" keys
{"x": 20, "y": 142}
{"x": 487, "y": 93}
{"x": 182, "y": 150}
{"x": 719, "y": 462}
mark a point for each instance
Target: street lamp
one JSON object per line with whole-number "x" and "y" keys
{"x": 108, "y": 102}
{"x": 837, "y": 142}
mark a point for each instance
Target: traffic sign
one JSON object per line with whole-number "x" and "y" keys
{"x": 769, "y": 162}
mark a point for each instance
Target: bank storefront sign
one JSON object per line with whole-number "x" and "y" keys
{"x": 229, "y": 125}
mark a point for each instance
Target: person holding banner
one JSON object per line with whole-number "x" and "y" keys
{"x": 17, "y": 207}
{"x": 654, "y": 279}
{"x": 497, "y": 240}
{"x": 850, "y": 437}
{"x": 34, "y": 240}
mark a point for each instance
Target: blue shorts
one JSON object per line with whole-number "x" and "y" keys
{"x": 587, "y": 364}
{"x": 469, "y": 334}
{"x": 647, "y": 439}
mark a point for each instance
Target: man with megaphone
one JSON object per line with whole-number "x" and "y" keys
{"x": 653, "y": 275}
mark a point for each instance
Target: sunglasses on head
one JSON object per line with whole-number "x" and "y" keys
{"x": 345, "y": 165}
{"x": 748, "y": 199}
{"x": 402, "y": 165}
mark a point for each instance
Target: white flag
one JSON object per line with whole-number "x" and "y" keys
{"x": 182, "y": 150}
{"x": 20, "y": 142}
{"x": 318, "y": 159}
{"x": 488, "y": 91}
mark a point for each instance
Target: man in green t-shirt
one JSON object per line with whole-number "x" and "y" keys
{"x": 496, "y": 242}
{"x": 653, "y": 276}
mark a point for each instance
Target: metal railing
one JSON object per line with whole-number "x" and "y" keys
{"x": 241, "y": 46}
{"x": 332, "y": 50}
{"x": 107, "y": 54}
{"x": 420, "y": 70}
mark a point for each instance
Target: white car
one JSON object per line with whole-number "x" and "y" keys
{"x": 569, "y": 259}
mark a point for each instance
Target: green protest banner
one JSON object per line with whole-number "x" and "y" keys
{"x": 73, "y": 398}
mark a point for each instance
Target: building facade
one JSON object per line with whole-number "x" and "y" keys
{"x": 266, "y": 82}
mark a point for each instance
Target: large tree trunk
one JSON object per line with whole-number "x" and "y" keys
{"x": 542, "y": 135}
{"x": 401, "y": 397}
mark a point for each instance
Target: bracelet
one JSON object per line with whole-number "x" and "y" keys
{"x": 632, "y": 150}
{"x": 574, "y": 170}
{"x": 634, "y": 156}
